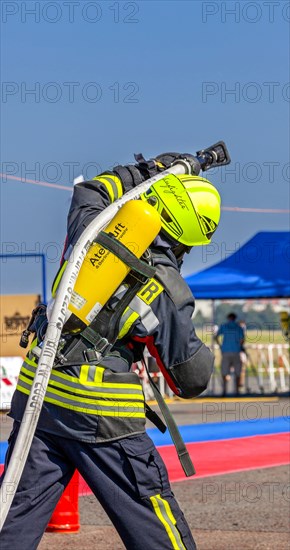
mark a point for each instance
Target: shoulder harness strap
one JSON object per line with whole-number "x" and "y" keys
{"x": 179, "y": 444}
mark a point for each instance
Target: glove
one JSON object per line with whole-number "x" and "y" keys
{"x": 133, "y": 175}
{"x": 37, "y": 325}
{"x": 167, "y": 159}
{"x": 149, "y": 168}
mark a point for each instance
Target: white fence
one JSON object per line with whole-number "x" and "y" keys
{"x": 9, "y": 370}
{"x": 266, "y": 370}
{"x": 272, "y": 366}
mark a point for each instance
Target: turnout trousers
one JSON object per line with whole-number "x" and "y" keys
{"x": 127, "y": 476}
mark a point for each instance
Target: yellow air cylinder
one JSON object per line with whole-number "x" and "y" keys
{"x": 135, "y": 225}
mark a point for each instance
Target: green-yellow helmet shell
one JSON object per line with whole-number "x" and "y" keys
{"x": 189, "y": 207}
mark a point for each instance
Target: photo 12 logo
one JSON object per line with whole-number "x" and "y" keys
{"x": 248, "y": 492}
{"x": 247, "y": 92}
{"x": 245, "y": 12}
{"x": 69, "y": 92}
{"x": 252, "y": 254}
{"x": 267, "y": 171}
{"x": 69, "y": 12}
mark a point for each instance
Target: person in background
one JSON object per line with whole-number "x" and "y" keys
{"x": 245, "y": 361}
{"x": 233, "y": 338}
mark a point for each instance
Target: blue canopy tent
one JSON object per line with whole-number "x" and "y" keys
{"x": 259, "y": 269}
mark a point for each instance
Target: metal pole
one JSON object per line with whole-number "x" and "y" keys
{"x": 213, "y": 345}
{"x": 213, "y": 324}
{"x": 272, "y": 370}
{"x": 43, "y": 263}
{"x": 43, "y": 267}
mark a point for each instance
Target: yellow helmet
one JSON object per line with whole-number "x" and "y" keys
{"x": 189, "y": 207}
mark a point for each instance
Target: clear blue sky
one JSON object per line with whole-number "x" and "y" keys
{"x": 115, "y": 78}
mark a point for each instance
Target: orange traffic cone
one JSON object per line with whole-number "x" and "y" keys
{"x": 65, "y": 518}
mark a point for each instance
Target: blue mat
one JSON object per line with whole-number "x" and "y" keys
{"x": 3, "y": 448}
{"x": 223, "y": 430}
{"x": 211, "y": 431}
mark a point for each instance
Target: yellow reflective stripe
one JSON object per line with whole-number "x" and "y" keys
{"x": 77, "y": 391}
{"x": 83, "y": 410}
{"x": 165, "y": 516}
{"x": 108, "y": 187}
{"x": 128, "y": 323}
{"x": 113, "y": 185}
{"x": 114, "y": 399}
{"x": 99, "y": 375}
{"x": 58, "y": 278}
{"x": 31, "y": 362}
{"x": 23, "y": 390}
{"x": 34, "y": 343}
{"x": 80, "y": 392}
{"x": 116, "y": 184}
{"x": 164, "y": 522}
{"x": 118, "y": 414}
{"x": 22, "y": 378}
{"x": 102, "y": 402}
{"x": 84, "y": 374}
{"x": 118, "y": 385}
{"x": 172, "y": 518}
{"x": 98, "y": 385}
{"x": 68, "y": 377}
{"x": 147, "y": 294}
{"x": 96, "y": 393}
{"x": 23, "y": 370}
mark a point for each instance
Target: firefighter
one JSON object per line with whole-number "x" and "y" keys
{"x": 93, "y": 416}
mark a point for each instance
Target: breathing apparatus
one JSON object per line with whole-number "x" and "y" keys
{"x": 114, "y": 253}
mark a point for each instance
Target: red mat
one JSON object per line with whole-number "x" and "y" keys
{"x": 213, "y": 458}
{"x": 230, "y": 455}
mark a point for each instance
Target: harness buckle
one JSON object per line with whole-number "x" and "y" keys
{"x": 91, "y": 355}
{"x": 98, "y": 351}
{"x": 36, "y": 351}
{"x": 139, "y": 277}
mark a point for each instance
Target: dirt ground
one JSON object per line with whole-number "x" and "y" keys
{"x": 243, "y": 511}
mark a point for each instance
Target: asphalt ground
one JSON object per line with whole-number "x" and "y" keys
{"x": 243, "y": 511}
{"x": 240, "y": 511}
{"x": 203, "y": 411}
